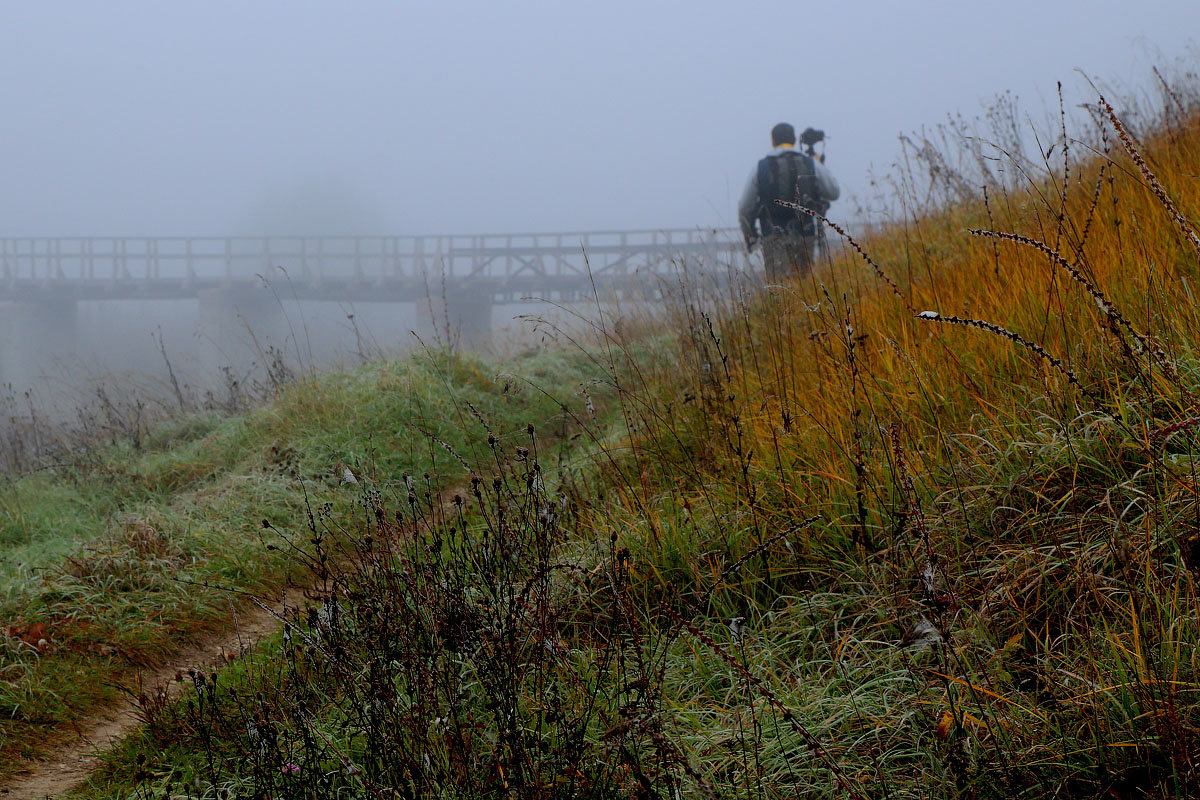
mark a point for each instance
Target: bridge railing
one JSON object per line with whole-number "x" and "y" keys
{"x": 495, "y": 258}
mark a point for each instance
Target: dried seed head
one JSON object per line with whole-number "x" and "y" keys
{"x": 991, "y": 327}
{"x": 923, "y": 632}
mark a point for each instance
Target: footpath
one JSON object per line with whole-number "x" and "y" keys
{"x": 68, "y": 765}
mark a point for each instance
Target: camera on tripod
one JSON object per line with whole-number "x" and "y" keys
{"x": 809, "y": 138}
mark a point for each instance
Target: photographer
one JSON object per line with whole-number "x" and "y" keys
{"x": 788, "y": 237}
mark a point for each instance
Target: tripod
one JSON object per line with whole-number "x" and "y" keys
{"x": 821, "y": 250}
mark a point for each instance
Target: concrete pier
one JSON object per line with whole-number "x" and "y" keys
{"x": 239, "y": 322}
{"x": 458, "y": 319}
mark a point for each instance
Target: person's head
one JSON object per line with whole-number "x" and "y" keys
{"x": 783, "y": 133}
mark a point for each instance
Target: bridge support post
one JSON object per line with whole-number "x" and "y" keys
{"x": 37, "y": 337}
{"x": 461, "y": 318}
{"x": 238, "y": 328}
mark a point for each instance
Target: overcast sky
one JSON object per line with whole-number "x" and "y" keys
{"x": 210, "y": 118}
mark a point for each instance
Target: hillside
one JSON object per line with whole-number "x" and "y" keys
{"x": 922, "y": 524}
{"x": 114, "y": 561}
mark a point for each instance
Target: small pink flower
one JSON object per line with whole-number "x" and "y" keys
{"x": 291, "y": 769}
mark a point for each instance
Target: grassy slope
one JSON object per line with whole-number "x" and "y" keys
{"x": 1061, "y": 534}
{"x": 1044, "y": 533}
{"x": 101, "y": 561}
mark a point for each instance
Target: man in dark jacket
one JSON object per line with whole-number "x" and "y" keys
{"x": 788, "y": 237}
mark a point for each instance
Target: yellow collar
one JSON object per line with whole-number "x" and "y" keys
{"x": 785, "y": 146}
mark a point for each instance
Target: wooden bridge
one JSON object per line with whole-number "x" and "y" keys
{"x": 453, "y": 281}
{"x": 394, "y": 269}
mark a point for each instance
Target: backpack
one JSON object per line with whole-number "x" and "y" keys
{"x": 792, "y": 178}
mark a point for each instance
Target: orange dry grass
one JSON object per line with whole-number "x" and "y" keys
{"x": 932, "y": 378}
{"x": 1048, "y": 529}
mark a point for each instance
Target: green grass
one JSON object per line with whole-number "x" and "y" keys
{"x": 104, "y": 560}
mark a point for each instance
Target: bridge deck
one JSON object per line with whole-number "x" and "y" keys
{"x": 360, "y": 269}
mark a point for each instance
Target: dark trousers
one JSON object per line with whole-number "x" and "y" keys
{"x": 787, "y": 256}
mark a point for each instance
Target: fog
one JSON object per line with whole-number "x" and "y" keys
{"x": 150, "y": 118}
{"x": 384, "y": 118}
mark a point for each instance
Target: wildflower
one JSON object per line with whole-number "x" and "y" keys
{"x": 291, "y": 768}
{"x": 945, "y": 723}
{"x": 929, "y": 580}
{"x": 257, "y": 740}
{"x": 326, "y": 615}
{"x": 923, "y": 633}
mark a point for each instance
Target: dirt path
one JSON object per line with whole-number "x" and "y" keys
{"x": 70, "y": 763}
